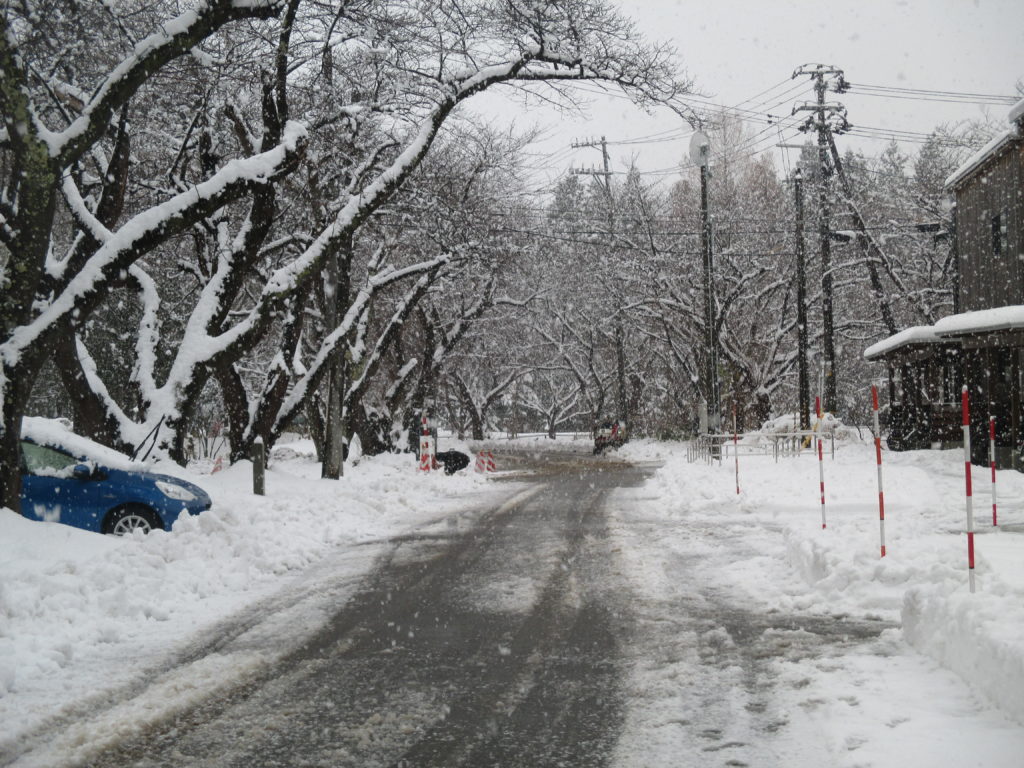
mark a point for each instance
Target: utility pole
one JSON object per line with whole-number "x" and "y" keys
{"x": 606, "y": 173}
{"x": 620, "y": 334}
{"x": 801, "y": 304}
{"x": 700, "y": 155}
{"x": 710, "y": 321}
{"x": 827, "y": 117}
{"x": 803, "y": 346}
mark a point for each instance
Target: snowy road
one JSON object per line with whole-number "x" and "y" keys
{"x": 580, "y": 624}
{"x": 494, "y": 642}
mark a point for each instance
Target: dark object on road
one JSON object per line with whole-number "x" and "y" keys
{"x": 453, "y": 461}
{"x": 609, "y": 435}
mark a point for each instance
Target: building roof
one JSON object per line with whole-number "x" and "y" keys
{"x": 980, "y": 157}
{"x": 948, "y": 329}
{"x": 915, "y": 336}
{"x": 981, "y": 321}
{"x": 993, "y": 148}
{"x": 1017, "y": 112}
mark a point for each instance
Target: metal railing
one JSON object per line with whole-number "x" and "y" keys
{"x": 715, "y": 447}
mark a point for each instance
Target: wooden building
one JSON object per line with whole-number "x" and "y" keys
{"x": 983, "y": 345}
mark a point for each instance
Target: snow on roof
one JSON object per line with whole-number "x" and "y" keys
{"x": 54, "y": 433}
{"x": 981, "y": 321}
{"x": 1017, "y": 112}
{"x": 978, "y": 158}
{"x": 918, "y": 334}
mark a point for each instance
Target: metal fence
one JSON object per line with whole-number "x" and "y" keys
{"x": 715, "y": 447}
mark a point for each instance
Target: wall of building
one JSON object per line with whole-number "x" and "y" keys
{"x": 991, "y": 274}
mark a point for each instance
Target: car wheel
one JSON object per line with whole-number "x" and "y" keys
{"x": 131, "y": 517}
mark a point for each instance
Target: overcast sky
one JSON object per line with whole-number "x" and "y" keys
{"x": 736, "y": 49}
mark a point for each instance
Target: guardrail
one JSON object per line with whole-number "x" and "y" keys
{"x": 715, "y": 447}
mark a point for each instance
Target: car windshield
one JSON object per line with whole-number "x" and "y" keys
{"x": 42, "y": 460}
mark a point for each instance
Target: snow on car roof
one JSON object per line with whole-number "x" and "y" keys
{"x": 56, "y": 434}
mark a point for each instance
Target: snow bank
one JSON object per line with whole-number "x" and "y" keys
{"x": 977, "y": 636}
{"x": 923, "y": 578}
{"x": 643, "y": 449}
{"x": 920, "y": 584}
{"x": 80, "y": 612}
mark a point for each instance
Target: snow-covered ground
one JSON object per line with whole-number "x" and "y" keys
{"x": 869, "y": 661}
{"x": 84, "y": 615}
{"x": 935, "y": 677}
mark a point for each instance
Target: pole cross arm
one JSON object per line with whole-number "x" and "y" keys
{"x": 808, "y": 106}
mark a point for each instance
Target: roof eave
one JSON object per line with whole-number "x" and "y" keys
{"x": 976, "y": 165}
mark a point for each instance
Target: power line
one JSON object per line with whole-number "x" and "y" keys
{"x": 939, "y": 93}
{"x": 766, "y": 90}
{"x": 939, "y": 99}
{"x": 723, "y": 226}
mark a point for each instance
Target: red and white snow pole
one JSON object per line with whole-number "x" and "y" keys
{"x": 426, "y": 447}
{"x": 821, "y": 459}
{"x": 967, "y": 470}
{"x": 878, "y": 461}
{"x": 992, "y": 463}
{"x": 735, "y": 447}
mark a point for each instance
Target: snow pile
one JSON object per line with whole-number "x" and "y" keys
{"x": 73, "y": 603}
{"x": 829, "y": 426}
{"x": 978, "y": 636}
{"x": 922, "y": 581}
{"x": 643, "y": 449}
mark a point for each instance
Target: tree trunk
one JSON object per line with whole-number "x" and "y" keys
{"x": 477, "y": 423}
{"x": 636, "y": 392}
{"x": 334, "y": 443}
{"x": 620, "y": 364}
{"x": 236, "y": 403}
{"x": 762, "y": 407}
{"x": 317, "y": 428}
{"x": 17, "y": 386}
{"x": 335, "y": 299}
{"x": 10, "y": 453}
{"x": 92, "y": 418}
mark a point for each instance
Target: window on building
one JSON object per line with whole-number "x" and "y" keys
{"x": 1000, "y": 234}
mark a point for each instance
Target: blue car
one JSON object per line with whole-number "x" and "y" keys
{"x": 66, "y": 478}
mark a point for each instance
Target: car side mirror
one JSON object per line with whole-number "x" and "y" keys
{"x": 82, "y": 472}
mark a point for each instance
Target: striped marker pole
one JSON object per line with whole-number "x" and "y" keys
{"x": 821, "y": 460}
{"x": 878, "y": 461}
{"x": 426, "y": 447}
{"x": 992, "y": 464}
{"x": 736, "y": 449}
{"x": 967, "y": 469}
